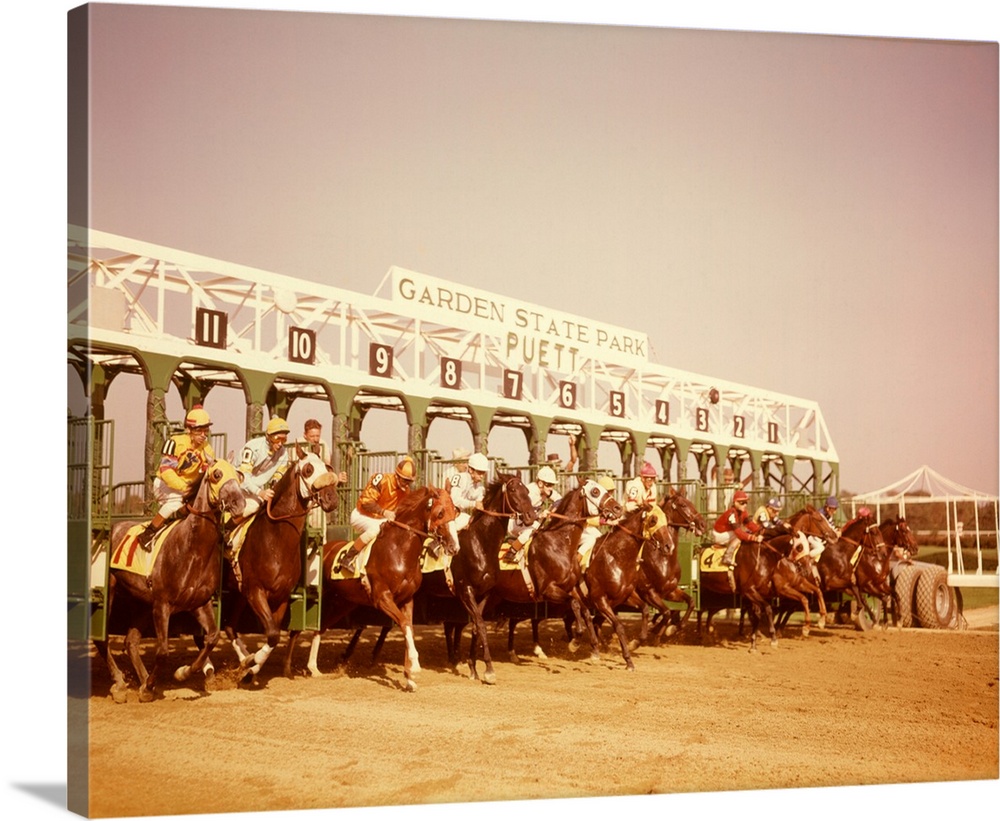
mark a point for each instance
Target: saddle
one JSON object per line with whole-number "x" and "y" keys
{"x": 127, "y": 555}
{"x": 521, "y": 564}
{"x": 710, "y": 559}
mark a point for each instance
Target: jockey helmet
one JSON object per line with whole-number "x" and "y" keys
{"x": 647, "y": 470}
{"x": 773, "y": 503}
{"x": 197, "y": 418}
{"x": 832, "y": 502}
{"x": 460, "y": 455}
{"x": 405, "y": 469}
{"x": 740, "y": 496}
{"x": 479, "y": 462}
{"x": 607, "y": 483}
{"x": 547, "y": 475}
{"x": 864, "y": 512}
{"x": 277, "y": 425}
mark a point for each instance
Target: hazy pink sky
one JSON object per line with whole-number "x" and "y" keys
{"x": 811, "y": 214}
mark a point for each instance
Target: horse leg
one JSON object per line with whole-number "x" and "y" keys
{"x": 511, "y": 627}
{"x": 403, "y": 616}
{"x": 257, "y": 600}
{"x": 242, "y": 653}
{"x": 604, "y": 607}
{"x": 536, "y": 642}
{"x": 161, "y": 622}
{"x": 292, "y": 636}
{"x": 585, "y": 622}
{"x": 206, "y": 619}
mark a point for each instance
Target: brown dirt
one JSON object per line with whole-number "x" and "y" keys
{"x": 840, "y": 707}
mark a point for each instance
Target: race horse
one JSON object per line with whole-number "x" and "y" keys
{"x": 476, "y": 567}
{"x": 184, "y": 575}
{"x": 552, "y": 561}
{"x": 858, "y": 563}
{"x": 660, "y": 571}
{"x": 898, "y": 536}
{"x": 392, "y": 571}
{"x": 612, "y": 574}
{"x": 764, "y": 571}
{"x": 268, "y": 564}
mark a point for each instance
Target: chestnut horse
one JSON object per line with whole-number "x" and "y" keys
{"x": 857, "y": 563}
{"x": 476, "y": 566}
{"x": 763, "y": 572}
{"x": 897, "y": 534}
{"x": 552, "y": 560}
{"x": 185, "y": 575}
{"x": 660, "y": 570}
{"x": 392, "y": 571}
{"x": 270, "y": 559}
{"x": 611, "y": 577}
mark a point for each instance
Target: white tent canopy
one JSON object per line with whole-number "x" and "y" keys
{"x": 925, "y": 486}
{"x": 924, "y": 480}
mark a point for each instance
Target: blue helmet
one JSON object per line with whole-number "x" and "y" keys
{"x": 832, "y": 502}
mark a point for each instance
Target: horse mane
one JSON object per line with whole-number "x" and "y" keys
{"x": 412, "y": 502}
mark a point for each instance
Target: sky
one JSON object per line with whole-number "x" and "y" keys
{"x": 815, "y": 215}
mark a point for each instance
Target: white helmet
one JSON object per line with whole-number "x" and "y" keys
{"x": 478, "y": 461}
{"x": 546, "y": 474}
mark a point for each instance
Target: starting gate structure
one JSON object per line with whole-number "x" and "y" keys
{"x": 423, "y": 346}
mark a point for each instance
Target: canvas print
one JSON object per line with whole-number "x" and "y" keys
{"x": 467, "y": 411}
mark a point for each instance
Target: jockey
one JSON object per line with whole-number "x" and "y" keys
{"x": 376, "y": 505}
{"x": 263, "y": 462}
{"x": 185, "y": 457}
{"x": 641, "y": 491}
{"x": 468, "y": 490}
{"x": 767, "y": 517}
{"x": 592, "y": 529}
{"x": 829, "y": 511}
{"x": 734, "y": 526}
{"x": 544, "y": 497}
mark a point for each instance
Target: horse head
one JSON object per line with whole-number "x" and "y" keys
{"x": 897, "y": 533}
{"x": 683, "y": 513}
{"x": 515, "y": 499}
{"x": 316, "y": 480}
{"x": 600, "y": 501}
{"x": 224, "y": 492}
{"x": 813, "y": 523}
{"x": 441, "y": 515}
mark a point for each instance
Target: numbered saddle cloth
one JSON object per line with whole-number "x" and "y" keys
{"x": 710, "y": 560}
{"x": 128, "y": 555}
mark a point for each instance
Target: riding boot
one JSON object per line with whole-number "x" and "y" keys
{"x": 727, "y": 557}
{"x": 146, "y": 537}
{"x": 348, "y": 558}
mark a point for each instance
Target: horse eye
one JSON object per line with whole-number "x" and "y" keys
{"x": 307, "y": 471}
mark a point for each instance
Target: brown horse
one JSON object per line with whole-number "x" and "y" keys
{"x": 763, "y": 572}
{"x": 270, "y": 559}
{"x": 660, "y": 570}
{"x": 185, "y": 576}
{"x": 611, "y": 577}
{"x": 552, "y": 560}
{"x": 476, "y": 566}
{"x": 897, "y": 534}
{"x": 392, "y": 570}
{"x": 857, "y": 563}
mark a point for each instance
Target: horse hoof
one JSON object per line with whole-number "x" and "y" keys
{"x": 540, "y": 653}
{"x": 805, "y": 630}
{"x": 314, "y": 672}
{"x": 574, "y": 645}
{"x": 489, "y": 678}
{"x": 411, "y": 685}
{"x": 119, "y": 693}
{"x": 182, "y": 673}
{"x": 774, "y": 642}
{"x": 633, "y": 645}
{"x": 146, "y": 696}
{"x": 671, "y": 631}
{"x": 630, "y": 667}
{"x": 821, "y": 624}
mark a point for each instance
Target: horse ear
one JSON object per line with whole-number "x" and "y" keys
{"x": 299, "y": 452}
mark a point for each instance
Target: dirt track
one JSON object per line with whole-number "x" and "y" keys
{"x": 839, "y": 707}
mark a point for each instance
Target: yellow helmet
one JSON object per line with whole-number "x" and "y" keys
{"x": 606, "y": 482}
{"x": 405, "y": 469}
{"x": 277, "y": 425}
{"x": 197, "y": 418}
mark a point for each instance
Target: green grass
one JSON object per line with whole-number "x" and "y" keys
{"x": 972, "y": 597}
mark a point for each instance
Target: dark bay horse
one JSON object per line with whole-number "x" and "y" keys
{"x": 898, "y": 536}
{"x": 270, "y": 559}
{"x": 185, "y": 575}
{"x": 393, "y": 569}
{"x": 857, "y": 563}
{"x": 660, "y": 571}
{"x": 763, "y": 572}
{"x": 611, "y": 576}
{"x": 552, "y": 560}
{"x": 476, "y": 566}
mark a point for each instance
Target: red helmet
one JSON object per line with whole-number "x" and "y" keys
{"x": 740, "y": 496}
{"x": 647, "y": 470}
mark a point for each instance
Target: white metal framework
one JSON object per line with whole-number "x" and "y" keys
{"x": 423, "y": 337}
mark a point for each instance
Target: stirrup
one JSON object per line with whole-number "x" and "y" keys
{"x": 346, "y": 563}
{"x": 145, "y": 539}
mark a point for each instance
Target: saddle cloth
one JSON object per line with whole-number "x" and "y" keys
{"x": 234, "y": 542}
{"x": 710, "y": 560}
{"x": 127, "y": 555}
